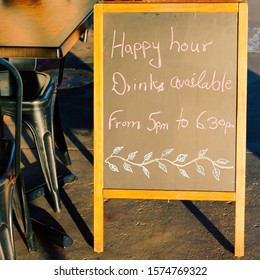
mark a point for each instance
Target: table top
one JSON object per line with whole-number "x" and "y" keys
{"x": 42, "y": 28}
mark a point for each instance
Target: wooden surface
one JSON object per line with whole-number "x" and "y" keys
{"x": 42, "y": 28}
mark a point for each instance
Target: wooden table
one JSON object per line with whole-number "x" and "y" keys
{"x": 42, "y": 28}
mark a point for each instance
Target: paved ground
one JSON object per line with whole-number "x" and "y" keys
{"x": 140, "y": 229}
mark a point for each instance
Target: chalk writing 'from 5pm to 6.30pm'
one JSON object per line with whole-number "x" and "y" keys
{"x": 204, "y": 121}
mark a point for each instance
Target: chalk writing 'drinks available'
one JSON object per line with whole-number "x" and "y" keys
{"x": 206, "y": 81}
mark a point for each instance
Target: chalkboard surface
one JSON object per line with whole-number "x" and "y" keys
{"x": 169, "y": 101}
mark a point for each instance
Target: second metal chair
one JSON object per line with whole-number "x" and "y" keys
{"x": 37, "y": 113}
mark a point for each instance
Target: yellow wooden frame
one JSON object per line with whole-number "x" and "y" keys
{"x": 239, "y": 195}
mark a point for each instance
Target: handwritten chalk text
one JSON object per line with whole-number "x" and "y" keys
{"x": 205, "y": 80}
{"x": 116, "y": 121}
{"x": 188, "y": 47}
{"x": 138, "y": 50}
{"x": 205, "y": 121}
{"x": 113, "y": 122}
{"x": 122, "y": 86}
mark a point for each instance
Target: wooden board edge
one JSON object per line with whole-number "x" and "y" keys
{"x": 169, "y": 195}
{"x": 241, "y": 129}
{"x": 98, "y": 130}
{"x": 168, "y": 7}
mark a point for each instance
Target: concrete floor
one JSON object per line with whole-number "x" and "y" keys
{"x": 137, "y": 229}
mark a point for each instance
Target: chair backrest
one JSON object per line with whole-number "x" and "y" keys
{"x": 32, "y": 83}
{"x": 23, "y": 64}
{"x": 18, "y": 88}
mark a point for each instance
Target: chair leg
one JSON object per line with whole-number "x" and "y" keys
{"x": 85, "y": 36}
{"x": 7, "y": 250}
{"x": 40, "y": 124}
{"x": 59, "y": 135}
{"x": 58, "y": 131}
{"x": 22, "y": 214}
{"x": 1, "y": 126}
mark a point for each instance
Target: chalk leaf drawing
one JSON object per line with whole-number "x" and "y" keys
{"x": 180, "y": 162}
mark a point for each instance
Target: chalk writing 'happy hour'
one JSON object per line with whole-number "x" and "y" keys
{"x": 140, "y": 50}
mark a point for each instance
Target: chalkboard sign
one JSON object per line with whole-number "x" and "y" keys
{"x": 170, "y": 85}
{"x": 169, "y": 101}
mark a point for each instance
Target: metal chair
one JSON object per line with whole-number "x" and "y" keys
{"x": 12, "y": 191}
{"x": 39, "y": 93}
{"x": 28, "y": 65}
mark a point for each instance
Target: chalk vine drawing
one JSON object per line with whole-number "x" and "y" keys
{"x": 180, "y": 162}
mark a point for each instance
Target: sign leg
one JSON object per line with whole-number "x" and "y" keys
{"x": 239, "y": 227}
{"x": 98, "y": 220}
